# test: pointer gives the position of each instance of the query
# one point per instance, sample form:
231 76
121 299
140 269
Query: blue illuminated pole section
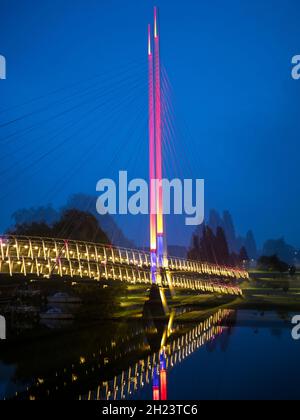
163 376
155 384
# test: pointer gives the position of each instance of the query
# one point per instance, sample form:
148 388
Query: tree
194 252
208 247
280 248
234 259
73 224
250 245
215 220
31 229
87 203
198 250
221 247
79 225
272 263
243 256
229 230
208 242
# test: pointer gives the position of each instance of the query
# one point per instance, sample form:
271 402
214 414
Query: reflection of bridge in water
81 380
44 257
153 369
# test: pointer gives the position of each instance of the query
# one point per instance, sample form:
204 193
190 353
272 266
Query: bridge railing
46 256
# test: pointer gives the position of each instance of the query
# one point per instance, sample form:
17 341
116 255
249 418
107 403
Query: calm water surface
230 355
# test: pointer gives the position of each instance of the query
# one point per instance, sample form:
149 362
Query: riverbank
109 332
117 301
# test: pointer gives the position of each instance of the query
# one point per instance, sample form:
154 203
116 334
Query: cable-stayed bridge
45 257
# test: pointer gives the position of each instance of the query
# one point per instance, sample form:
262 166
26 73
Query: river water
228 355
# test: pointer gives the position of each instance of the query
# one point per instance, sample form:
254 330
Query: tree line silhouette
215 242
73 224
208 246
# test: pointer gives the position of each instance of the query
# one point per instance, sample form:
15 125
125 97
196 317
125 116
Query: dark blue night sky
235 106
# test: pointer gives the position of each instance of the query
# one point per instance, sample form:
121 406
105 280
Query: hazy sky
76 100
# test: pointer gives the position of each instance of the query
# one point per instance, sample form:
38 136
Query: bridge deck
49 256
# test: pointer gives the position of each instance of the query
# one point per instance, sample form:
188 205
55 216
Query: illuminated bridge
45 257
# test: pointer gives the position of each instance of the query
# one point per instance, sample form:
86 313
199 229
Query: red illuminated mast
157 235
152 168
158 143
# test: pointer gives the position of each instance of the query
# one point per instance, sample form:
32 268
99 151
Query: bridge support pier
156 306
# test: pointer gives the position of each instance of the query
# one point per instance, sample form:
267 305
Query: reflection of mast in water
208 329
163 376
153 369
169 349
159 382
155 384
